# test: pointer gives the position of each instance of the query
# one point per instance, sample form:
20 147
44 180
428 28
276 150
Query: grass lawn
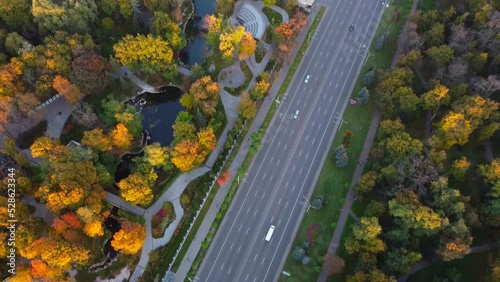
473 267
334 182
274 17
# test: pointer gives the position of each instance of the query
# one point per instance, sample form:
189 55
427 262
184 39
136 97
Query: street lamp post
305 203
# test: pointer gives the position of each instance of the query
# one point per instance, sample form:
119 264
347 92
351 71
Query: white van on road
269 234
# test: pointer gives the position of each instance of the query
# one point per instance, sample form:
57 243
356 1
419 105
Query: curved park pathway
350 197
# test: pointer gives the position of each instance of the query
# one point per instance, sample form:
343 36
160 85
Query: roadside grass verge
334 182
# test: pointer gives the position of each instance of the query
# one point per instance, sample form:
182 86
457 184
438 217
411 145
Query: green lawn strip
293 68
333 181
274 17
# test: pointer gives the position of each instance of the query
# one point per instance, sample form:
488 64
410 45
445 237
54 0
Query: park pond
159 111
196 49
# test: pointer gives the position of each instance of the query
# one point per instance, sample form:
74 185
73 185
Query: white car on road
296 114
307 78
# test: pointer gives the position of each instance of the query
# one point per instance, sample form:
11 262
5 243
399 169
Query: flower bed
162 219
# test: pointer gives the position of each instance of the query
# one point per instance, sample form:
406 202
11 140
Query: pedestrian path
205 226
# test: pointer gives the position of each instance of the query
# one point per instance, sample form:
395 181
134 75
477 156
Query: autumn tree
455 242
248 45
57 254
364 237
247 108
130 238
132 121
228 42
433 99
157 155
205 95
333 264
16 13
453 129
413 214
213 25
163 26
97 140
75 17
135 189
225 7
259 90
68 90
89 72
187 155
366 183
459 168
121 137
183 130
400 260
440 55
150 54
207 139
42 147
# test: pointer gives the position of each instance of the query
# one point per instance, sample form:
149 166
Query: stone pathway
231 76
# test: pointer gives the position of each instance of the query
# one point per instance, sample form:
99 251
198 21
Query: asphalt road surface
292 152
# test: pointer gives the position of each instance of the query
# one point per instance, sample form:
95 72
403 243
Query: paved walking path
346 209
423 264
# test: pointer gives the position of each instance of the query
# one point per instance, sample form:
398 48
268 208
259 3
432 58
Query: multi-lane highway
286 166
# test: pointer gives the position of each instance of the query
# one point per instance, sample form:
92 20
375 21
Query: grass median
334 182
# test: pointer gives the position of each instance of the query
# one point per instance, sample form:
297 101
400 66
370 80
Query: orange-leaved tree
187 155
130 238
205 95
122 138
67 89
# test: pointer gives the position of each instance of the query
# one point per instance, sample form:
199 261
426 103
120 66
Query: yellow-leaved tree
248 45
207 139
135 189
151 54
122 138
130 239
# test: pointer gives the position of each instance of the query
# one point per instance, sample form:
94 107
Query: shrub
347 138
298 253
223 178
341 158
312 233
363 96
306 260
369 78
